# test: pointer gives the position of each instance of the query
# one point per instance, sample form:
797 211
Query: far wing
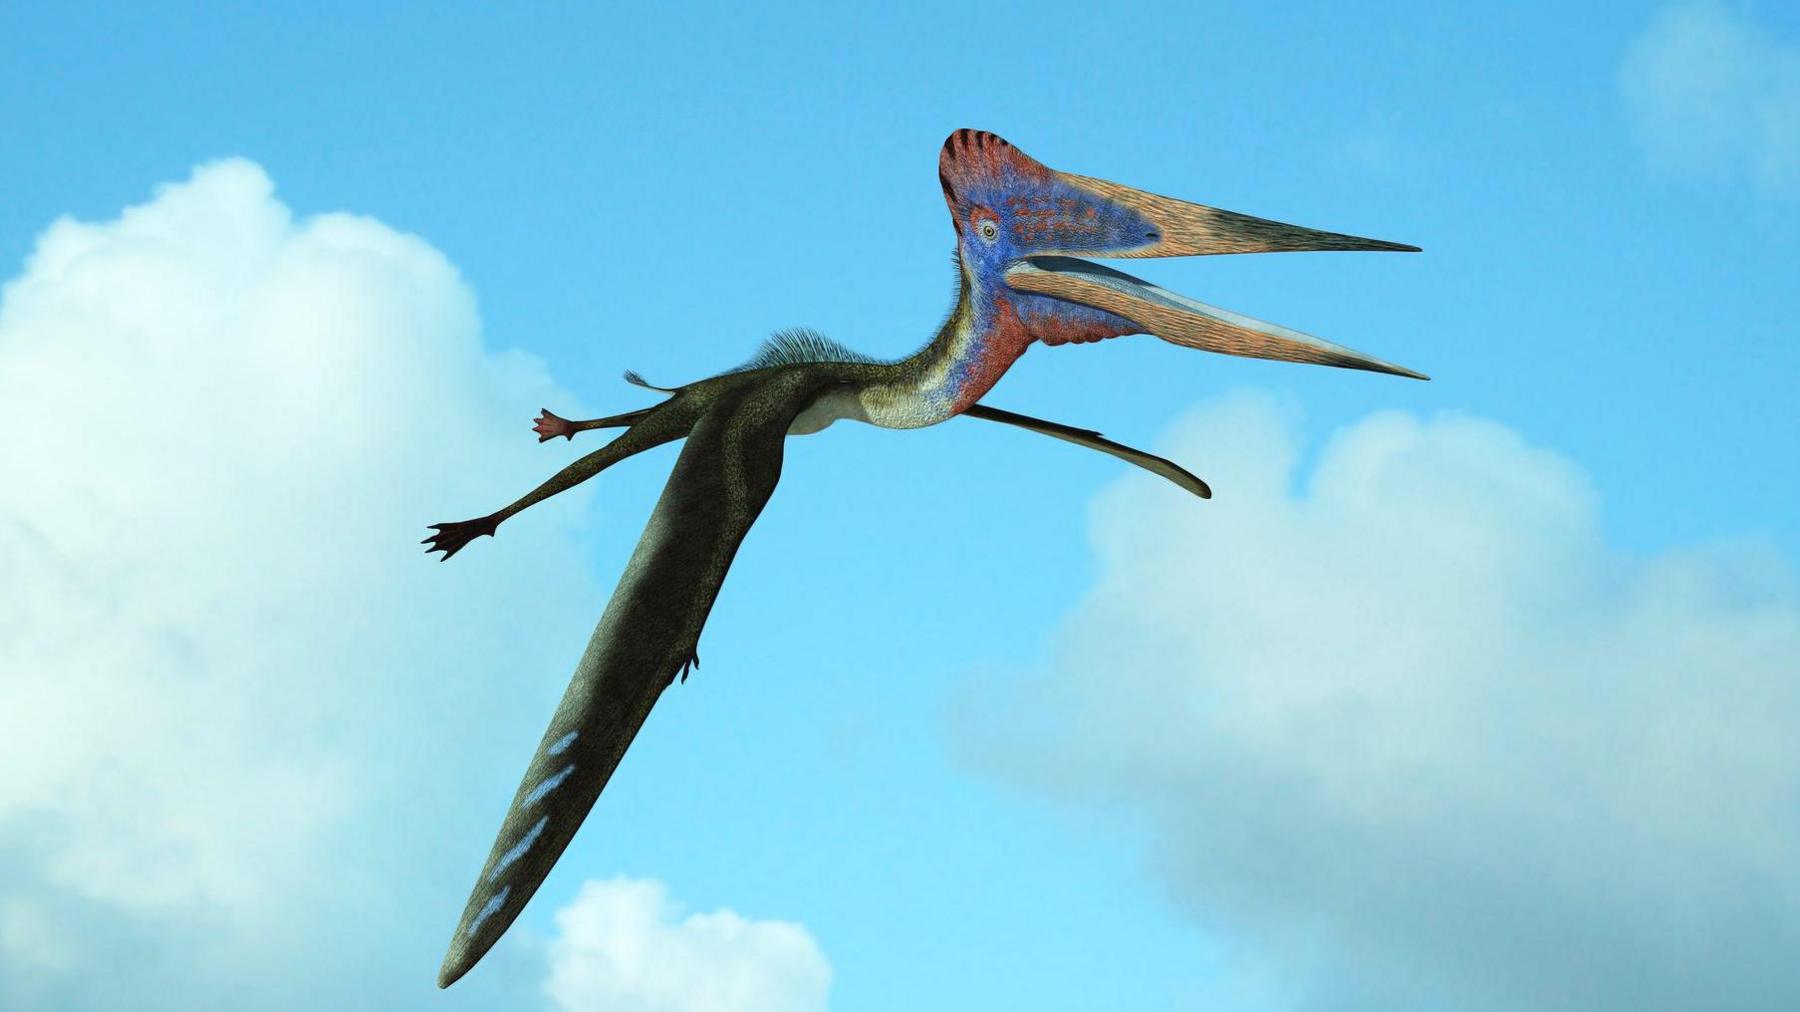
1093 440
646 636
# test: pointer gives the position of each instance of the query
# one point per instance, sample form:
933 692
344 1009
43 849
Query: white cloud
624 945
1411 736
1712 94
234 692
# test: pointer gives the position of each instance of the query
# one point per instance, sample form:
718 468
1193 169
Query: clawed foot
450 538
549 426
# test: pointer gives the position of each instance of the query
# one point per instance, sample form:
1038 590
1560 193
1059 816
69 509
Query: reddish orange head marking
975 167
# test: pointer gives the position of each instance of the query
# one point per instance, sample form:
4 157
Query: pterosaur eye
990 231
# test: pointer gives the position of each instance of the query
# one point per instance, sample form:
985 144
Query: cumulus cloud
1712 94
235 697
625 945
1410 735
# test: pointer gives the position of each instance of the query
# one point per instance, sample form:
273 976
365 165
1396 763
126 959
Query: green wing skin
646 636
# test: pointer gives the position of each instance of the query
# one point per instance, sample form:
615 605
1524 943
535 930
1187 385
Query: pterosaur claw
549 426
450 538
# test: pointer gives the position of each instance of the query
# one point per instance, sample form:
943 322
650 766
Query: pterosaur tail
635 380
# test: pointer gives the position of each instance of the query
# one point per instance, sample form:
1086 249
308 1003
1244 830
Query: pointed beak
1177 228
1188 322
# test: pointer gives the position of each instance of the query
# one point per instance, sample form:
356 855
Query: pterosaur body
1019 226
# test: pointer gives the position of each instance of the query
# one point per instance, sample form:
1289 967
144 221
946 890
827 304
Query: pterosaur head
1020 225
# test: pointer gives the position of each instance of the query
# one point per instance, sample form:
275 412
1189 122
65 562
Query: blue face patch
1036 210
1064 218
1054 321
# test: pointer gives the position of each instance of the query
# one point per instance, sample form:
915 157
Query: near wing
646 636
1094 440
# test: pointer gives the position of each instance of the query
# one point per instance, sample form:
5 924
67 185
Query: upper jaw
1051 217
1180 320
1179 228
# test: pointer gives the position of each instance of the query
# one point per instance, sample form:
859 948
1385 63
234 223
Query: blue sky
912 737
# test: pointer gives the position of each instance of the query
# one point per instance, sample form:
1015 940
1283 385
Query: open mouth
1180 320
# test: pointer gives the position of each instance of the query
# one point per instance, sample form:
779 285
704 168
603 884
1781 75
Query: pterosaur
1019 226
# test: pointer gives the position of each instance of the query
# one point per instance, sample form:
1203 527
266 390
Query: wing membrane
1093 440
646 636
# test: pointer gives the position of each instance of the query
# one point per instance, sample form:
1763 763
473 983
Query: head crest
974 165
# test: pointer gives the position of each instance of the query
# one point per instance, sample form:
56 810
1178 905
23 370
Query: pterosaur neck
978 342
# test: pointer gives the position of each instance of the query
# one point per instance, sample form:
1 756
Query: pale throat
980 341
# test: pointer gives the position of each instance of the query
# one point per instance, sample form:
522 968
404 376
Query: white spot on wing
546 785
488 910
518 849
557 746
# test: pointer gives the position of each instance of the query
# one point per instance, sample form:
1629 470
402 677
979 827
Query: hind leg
549 426
652 427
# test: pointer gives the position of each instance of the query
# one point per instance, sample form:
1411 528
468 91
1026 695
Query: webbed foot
450 538
549 426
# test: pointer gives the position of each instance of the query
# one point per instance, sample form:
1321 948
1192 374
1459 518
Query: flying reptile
1019 227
